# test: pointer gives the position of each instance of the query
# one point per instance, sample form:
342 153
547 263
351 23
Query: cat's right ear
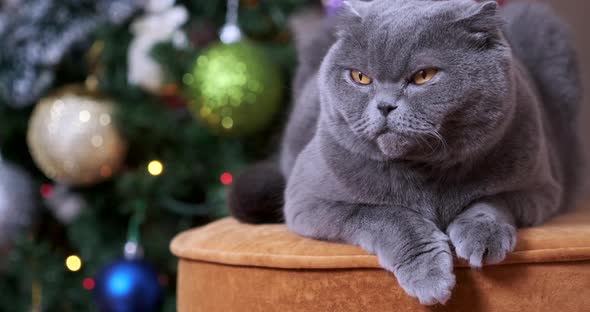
350 14
482 17
483 23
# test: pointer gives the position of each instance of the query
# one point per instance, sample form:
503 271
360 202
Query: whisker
443 144
432 149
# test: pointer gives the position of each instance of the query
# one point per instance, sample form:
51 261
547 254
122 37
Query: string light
74 263
226 178
155 168
88 283
106 171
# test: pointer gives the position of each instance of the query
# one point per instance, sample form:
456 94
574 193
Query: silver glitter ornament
17 202
65 204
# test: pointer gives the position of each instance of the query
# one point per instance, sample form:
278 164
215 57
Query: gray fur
484 147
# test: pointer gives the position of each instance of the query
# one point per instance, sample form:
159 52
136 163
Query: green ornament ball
234 88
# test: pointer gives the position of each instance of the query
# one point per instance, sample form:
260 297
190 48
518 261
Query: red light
46 190
226 178
88 283
164 280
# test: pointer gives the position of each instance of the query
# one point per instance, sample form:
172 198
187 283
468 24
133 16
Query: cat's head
419 80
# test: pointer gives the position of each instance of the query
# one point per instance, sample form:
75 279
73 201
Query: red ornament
46 190
226 178
171 96
88 283
202 33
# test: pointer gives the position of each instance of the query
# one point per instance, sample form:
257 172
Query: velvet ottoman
228 266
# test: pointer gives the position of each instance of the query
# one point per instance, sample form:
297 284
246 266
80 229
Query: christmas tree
122 123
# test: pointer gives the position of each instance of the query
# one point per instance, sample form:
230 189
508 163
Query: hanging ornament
129 284
65 204
17 202
234 87
160 23
72 137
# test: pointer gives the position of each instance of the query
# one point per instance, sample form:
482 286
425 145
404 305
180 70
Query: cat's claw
482 239
428 276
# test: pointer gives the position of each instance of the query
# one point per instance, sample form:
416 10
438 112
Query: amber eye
423 76
360 78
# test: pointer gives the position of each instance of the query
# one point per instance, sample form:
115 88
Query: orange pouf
228 266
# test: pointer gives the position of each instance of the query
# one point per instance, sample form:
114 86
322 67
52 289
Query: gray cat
421 124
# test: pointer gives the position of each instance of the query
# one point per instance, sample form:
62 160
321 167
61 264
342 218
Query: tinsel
37 34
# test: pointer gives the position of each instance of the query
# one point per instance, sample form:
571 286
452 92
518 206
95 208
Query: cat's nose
386 108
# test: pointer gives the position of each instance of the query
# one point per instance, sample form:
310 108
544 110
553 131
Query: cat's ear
350 14
482 20
355 8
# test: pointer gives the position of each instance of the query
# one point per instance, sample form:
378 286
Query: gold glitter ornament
72 137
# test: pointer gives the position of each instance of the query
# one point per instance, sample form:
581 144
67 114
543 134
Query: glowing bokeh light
73 263
155 168
226 178
88 283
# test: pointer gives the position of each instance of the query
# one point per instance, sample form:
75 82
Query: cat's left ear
355 8
482 20
350 14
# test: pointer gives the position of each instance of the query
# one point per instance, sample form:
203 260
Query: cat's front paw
426 271
481 238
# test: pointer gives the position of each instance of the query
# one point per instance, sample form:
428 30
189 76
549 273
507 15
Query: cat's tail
256 195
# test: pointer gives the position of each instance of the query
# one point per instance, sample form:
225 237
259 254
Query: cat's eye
423 76
360 78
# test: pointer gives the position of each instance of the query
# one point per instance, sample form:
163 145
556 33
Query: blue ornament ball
128 286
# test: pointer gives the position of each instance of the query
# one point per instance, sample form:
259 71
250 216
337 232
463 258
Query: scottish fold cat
419 125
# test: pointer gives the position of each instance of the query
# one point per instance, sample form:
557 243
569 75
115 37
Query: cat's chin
395 145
